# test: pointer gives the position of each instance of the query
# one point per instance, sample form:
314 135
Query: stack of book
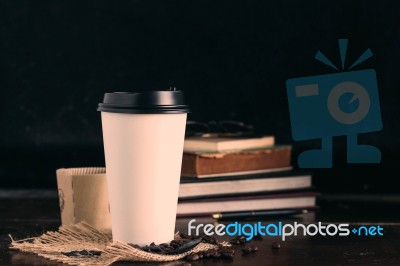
240 174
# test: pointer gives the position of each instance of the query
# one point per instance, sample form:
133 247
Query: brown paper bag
83 197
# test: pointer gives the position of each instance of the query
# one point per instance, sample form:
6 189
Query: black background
232 59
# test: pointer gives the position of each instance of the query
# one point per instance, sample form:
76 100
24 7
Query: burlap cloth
52 245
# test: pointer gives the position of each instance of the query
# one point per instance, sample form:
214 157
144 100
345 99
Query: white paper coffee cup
143 137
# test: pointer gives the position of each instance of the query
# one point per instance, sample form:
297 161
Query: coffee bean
238 240
71 253
152 244
234 241
215 254
192 257
184 236
209 239
163 245
275 245
134 245
227 255
206 254
226 250
95 252
175 244
84 252
145 248
186 264
247 250
250 249
169 248
242 239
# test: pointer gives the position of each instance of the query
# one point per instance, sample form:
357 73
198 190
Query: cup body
143 154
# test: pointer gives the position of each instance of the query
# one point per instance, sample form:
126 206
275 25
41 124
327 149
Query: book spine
203 164
189 164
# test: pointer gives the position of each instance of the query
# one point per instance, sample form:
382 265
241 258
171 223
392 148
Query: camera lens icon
359 93
320 108
339 104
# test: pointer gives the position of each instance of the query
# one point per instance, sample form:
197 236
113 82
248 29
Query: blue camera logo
344 103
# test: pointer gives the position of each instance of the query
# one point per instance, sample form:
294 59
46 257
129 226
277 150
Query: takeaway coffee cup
143 137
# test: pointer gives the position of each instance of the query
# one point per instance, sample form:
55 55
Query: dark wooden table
23 216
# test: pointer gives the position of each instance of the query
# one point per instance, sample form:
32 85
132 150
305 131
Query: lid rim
144 102
123 106
144 111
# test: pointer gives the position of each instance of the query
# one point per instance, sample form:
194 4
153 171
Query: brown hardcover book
245 161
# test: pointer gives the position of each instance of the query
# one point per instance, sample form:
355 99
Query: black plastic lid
149 102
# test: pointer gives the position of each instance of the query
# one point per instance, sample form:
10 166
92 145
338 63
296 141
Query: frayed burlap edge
52 245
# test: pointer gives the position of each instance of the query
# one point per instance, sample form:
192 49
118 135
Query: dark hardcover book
209 206
243 184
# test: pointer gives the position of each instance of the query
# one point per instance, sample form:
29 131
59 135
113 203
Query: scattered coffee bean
83 252
247 250
242 239
215 254
226 250
227 253
169 248
238 240
234 241
134 246
71 253
185 243
209 239
175 244
254 248
275 245
250 249
206 254
186 264
145 248
192 257
184 236
163 245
